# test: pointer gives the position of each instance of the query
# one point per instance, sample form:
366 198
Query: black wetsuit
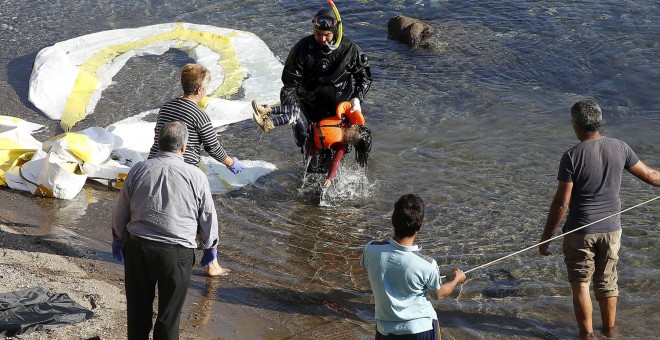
317 81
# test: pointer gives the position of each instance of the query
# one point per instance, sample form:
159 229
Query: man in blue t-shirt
589 183
400 277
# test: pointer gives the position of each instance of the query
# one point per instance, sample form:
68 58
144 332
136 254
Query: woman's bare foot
214 269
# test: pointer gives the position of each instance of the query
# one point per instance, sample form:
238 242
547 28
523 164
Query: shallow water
476 127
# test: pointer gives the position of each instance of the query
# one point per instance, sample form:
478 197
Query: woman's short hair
408 215
587 115
173 135
194 76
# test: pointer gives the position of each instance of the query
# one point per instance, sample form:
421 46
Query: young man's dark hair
408 215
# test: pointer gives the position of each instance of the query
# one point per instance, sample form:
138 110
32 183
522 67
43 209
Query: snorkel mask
326 20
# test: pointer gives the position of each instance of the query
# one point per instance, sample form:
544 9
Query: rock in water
410 31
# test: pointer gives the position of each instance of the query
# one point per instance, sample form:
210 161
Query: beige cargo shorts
594 255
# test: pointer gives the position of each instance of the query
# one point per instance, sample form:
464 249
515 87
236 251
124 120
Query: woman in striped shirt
194 80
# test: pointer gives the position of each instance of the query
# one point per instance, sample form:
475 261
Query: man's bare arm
646 173
558 210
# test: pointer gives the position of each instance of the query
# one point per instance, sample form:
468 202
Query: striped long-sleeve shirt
200 130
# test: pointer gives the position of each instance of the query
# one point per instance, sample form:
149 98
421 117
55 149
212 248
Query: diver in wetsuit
321 71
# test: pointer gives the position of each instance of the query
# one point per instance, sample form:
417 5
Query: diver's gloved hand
236 167
118 250
355 105
208 257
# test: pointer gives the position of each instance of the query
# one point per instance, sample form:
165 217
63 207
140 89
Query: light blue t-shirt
400 277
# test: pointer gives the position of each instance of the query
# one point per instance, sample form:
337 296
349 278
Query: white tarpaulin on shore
16 143
67 82
69 77
62 165
57 168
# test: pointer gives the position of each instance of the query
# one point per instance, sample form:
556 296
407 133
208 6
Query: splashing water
351 182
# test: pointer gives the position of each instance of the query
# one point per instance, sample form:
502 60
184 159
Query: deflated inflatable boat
69 77
67 82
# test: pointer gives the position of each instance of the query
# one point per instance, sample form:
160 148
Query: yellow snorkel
339 28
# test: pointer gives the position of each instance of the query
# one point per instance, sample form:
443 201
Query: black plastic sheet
34 309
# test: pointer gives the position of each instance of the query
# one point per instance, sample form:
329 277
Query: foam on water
350 183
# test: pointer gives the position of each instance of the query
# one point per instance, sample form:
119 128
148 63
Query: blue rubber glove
208 257
236 167
118 250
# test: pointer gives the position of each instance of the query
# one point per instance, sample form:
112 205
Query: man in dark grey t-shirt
595 168
589 183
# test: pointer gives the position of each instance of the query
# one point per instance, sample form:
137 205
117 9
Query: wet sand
47 246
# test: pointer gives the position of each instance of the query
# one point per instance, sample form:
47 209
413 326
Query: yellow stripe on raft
87 81
11 119
222 181
12 158
79 145
10 152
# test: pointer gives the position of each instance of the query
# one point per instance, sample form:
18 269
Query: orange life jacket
329 130
355 117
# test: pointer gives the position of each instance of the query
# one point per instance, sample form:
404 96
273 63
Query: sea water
476 126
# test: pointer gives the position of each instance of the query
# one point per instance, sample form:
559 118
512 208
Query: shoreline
31 261
64 247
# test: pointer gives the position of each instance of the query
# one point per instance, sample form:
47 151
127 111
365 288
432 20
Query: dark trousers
149 264
433 334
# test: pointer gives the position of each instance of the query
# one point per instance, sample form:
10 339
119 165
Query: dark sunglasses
324 23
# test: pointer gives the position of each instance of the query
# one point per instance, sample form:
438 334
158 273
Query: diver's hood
325 20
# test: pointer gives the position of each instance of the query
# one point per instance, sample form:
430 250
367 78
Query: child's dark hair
363 146
408 215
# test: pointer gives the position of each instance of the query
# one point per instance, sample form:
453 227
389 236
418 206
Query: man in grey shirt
589 183
162 207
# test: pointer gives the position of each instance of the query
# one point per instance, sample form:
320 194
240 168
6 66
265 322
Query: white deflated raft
67 82
69 77
16 144
222 180
60 166
9 123
63 164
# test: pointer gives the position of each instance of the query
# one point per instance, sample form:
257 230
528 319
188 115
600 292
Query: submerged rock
504 285
410 31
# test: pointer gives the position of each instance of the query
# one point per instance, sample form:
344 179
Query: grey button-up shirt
166 200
